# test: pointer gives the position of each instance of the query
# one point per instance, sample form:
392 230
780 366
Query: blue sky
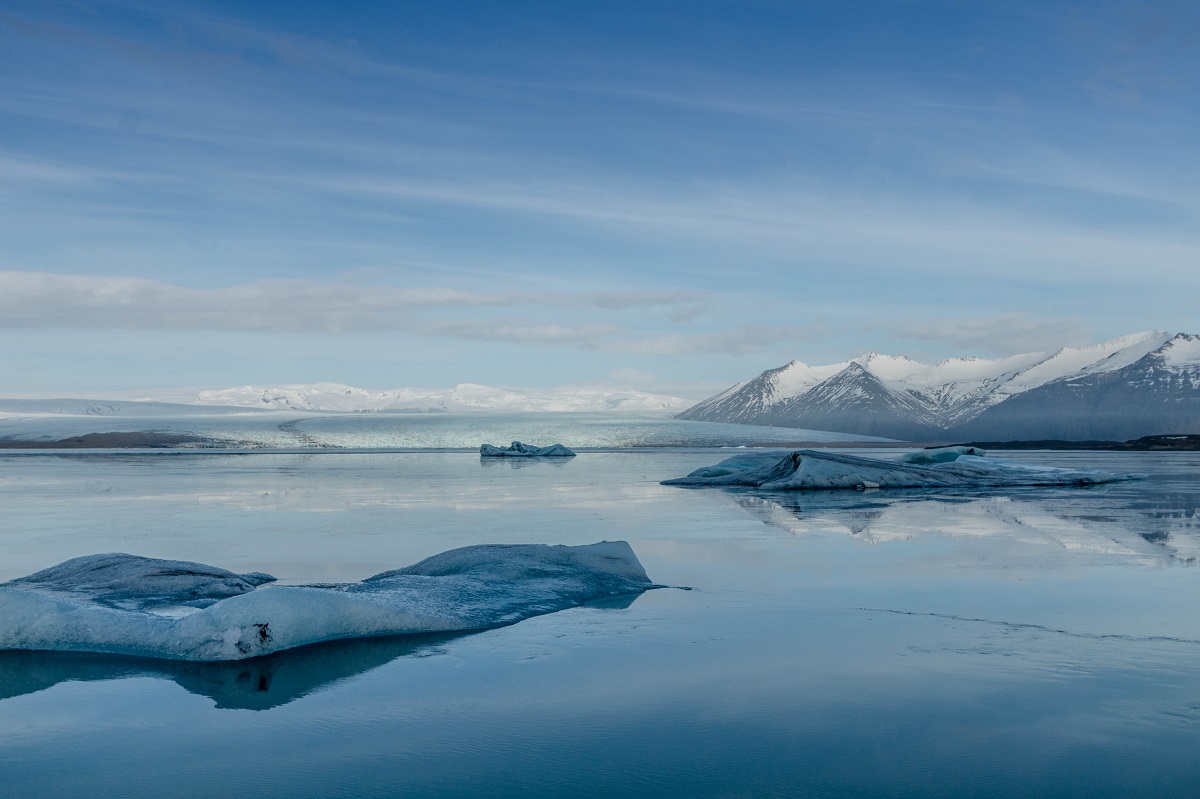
666 195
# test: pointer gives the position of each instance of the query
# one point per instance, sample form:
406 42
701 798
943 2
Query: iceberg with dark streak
947 467
519 450
131 605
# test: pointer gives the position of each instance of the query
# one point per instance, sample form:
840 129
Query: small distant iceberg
519 450
177 610
946 467
941 454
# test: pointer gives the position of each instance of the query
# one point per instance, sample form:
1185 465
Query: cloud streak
47 300
433 159
39 300
744 340
742 175
1004 334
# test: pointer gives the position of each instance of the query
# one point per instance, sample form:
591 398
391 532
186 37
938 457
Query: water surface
895 644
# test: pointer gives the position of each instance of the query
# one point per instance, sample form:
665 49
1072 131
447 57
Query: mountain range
1136 385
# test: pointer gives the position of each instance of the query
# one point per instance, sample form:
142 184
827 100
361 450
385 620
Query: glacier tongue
465 397
67 608
951 467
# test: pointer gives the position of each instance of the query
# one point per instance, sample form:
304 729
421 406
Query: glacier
123 604
462 398
946 467
519 450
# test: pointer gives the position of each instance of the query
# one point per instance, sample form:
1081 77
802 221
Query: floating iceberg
941 454
948 467
519 450
130 605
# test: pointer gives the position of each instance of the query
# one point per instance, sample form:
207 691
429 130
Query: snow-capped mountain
1142 384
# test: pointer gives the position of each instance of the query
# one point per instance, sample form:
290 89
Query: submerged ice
126 604
519 450
938 468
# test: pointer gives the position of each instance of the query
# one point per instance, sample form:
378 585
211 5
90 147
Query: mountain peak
914 396
1181 352
876 357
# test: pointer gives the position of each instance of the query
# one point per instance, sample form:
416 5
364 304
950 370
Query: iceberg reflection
1147 522
257 684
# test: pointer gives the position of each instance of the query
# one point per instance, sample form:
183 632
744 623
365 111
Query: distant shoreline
147 440
136 440
1178 443
1164 443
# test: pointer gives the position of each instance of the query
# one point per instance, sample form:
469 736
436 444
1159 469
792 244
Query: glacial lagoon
882 643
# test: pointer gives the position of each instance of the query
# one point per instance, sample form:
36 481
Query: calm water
878 644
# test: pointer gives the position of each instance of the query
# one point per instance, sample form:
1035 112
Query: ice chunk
66 608
941 454
519 450
809 469
125 581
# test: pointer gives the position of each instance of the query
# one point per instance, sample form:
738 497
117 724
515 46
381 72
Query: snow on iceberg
519 450
948 467
130 605
941 454
125 581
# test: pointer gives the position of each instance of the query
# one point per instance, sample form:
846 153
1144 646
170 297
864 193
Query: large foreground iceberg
948 467
519 450
130 605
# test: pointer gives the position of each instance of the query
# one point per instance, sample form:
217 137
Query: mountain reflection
1140 520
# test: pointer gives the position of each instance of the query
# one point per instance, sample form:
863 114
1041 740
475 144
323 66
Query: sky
668 196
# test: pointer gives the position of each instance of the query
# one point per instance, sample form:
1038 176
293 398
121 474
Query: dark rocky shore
136 440
1143 444
1163 443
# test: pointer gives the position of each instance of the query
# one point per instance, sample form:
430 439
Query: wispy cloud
743 340
1004 334
218 141
16 167
44 300
740 178
39 299
586 336
927 234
